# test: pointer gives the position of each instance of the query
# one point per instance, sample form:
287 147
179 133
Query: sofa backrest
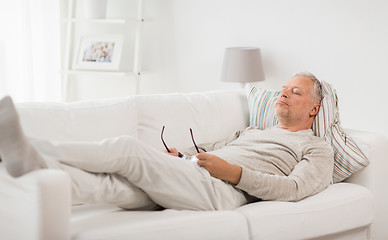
213 116
79 121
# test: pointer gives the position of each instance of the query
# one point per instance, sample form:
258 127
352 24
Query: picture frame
99 52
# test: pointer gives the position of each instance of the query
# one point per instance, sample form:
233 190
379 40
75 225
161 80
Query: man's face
294 103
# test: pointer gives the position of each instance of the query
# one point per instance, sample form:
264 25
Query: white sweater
278 164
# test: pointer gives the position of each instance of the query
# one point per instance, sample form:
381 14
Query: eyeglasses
179 154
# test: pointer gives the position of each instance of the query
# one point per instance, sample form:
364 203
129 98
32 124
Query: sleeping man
285 163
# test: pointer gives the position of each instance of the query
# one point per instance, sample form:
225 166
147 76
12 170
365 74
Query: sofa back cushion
213 116
79 121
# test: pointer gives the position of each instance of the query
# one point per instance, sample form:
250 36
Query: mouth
280 102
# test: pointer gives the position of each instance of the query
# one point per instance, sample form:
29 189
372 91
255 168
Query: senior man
285 163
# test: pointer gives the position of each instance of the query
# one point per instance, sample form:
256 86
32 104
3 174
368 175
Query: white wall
343 42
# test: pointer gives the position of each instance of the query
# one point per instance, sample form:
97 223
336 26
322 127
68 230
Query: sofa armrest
35 206
374 176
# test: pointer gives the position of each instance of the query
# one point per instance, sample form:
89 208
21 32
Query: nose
284 93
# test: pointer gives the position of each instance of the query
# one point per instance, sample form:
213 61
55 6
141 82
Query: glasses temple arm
165 145
192 138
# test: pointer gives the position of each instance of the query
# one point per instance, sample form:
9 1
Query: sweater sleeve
310 176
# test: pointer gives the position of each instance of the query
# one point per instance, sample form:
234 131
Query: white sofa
37 205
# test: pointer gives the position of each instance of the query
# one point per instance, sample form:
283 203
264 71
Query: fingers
173 152
205 160
202 155
208 162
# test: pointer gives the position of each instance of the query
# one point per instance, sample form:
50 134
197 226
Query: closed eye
296 91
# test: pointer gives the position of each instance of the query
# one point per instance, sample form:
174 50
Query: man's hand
219 168
173 152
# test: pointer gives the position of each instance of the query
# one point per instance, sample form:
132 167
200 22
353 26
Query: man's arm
219 168
310 176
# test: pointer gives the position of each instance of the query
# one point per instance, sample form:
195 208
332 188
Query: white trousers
125 172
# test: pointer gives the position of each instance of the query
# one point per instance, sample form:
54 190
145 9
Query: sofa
38 204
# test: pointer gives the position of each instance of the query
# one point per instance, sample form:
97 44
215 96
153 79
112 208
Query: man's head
299 102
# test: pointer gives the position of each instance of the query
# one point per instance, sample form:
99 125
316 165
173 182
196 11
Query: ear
315 109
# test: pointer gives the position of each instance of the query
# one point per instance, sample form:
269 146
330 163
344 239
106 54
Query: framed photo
99 52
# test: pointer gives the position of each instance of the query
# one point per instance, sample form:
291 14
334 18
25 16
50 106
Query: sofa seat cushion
109 222
338 208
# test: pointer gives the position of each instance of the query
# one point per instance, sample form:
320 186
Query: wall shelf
108 21
102 73
74 25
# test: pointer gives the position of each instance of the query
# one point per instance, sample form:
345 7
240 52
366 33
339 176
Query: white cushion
82 121
104 222
213 116
340 207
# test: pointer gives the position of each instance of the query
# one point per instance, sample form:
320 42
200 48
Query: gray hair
317 89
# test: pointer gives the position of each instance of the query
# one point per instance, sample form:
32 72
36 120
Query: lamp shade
242 64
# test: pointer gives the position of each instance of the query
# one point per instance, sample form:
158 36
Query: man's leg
96 187
16 152
20 157
169 181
